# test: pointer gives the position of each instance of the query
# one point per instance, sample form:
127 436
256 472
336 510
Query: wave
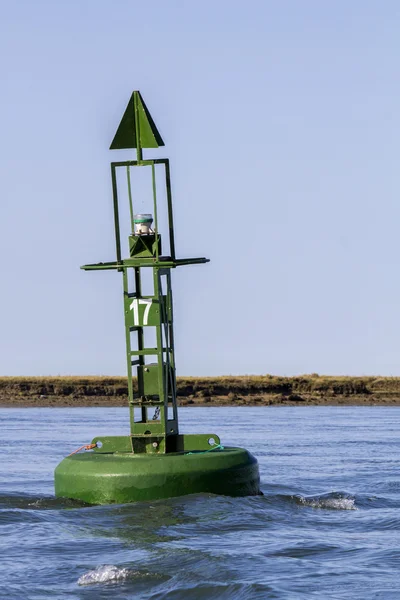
218 591
112 574
105 574
26 501
331 501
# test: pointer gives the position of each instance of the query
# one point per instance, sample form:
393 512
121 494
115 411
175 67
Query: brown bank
266 390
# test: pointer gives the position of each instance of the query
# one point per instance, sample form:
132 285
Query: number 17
134 306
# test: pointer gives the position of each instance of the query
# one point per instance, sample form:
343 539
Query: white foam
332 503
104 574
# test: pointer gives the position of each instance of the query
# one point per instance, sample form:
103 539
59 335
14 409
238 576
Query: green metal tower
156 380
190 463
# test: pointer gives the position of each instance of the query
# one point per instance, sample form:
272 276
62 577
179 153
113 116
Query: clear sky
281 119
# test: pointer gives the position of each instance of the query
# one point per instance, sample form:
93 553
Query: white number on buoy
134 306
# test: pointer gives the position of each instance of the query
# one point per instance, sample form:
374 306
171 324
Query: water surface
327 525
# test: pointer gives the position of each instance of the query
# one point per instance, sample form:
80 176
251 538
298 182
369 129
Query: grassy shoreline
254 390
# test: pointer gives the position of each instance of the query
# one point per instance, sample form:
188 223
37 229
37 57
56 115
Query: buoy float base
100 478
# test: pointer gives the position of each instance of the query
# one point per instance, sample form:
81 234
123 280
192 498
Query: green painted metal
118 478
192 442
154 460
156 376
136 125
144 246
135 262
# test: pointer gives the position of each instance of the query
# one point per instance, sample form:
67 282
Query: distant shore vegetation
243 390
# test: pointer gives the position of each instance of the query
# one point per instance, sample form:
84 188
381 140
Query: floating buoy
154 461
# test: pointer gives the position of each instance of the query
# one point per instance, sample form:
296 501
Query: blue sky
280 118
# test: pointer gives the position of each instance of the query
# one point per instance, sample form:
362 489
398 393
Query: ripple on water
105 574
331 501
210 591
109 574
26 501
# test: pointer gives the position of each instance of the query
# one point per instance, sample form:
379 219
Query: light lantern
142 224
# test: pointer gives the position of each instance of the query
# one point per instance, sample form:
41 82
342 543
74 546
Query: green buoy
155 460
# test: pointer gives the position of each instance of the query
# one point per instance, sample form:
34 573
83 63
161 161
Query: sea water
327 526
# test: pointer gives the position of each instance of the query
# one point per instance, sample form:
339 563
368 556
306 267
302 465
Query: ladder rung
144 352
149 351
147 404
135 362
